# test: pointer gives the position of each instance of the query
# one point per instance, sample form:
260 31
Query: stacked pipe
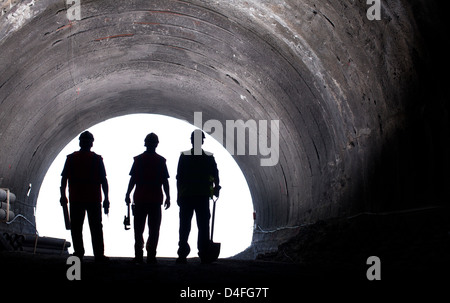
36 244
14 240
45 245
6 199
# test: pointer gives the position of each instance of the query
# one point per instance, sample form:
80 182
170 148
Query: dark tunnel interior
362 105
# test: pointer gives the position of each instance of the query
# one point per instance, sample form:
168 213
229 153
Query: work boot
139 257
151 257
80 256
101 259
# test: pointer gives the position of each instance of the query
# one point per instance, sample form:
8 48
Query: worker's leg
203 215
154 223
77 215
94 211
186 213
140 215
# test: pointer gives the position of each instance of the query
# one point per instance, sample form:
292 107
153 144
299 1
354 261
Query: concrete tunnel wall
363 116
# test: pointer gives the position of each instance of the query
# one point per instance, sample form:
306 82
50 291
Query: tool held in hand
66 215
214 248
63 201
126 220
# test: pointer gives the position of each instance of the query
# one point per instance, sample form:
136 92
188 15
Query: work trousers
78 212
142 211
199 204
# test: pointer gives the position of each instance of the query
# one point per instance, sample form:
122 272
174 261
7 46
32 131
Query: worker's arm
64 178
216 181
167 192
104 184
63 200
105 189
180 177
131 185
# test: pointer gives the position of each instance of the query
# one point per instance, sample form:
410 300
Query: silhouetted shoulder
190 152
146 155
186 153
208 153
138 156
84 154
161 158
97 155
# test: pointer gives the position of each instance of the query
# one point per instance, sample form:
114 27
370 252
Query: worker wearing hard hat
85 172
148 174
197 181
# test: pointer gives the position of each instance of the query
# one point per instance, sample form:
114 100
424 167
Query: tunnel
362 104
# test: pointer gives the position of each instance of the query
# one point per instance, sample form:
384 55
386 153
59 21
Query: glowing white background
118 140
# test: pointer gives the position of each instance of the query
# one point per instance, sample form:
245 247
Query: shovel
126 220
214 248
66 216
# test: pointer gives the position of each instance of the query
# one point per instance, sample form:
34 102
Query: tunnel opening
172 58
118 140
362 107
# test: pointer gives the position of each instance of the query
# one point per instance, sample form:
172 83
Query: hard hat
197 131
151 139
86 136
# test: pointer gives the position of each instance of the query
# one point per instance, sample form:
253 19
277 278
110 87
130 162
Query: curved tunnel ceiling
334 80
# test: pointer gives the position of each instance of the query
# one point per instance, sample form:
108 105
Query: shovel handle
213 218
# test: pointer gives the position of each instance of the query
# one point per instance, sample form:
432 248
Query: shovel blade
213 251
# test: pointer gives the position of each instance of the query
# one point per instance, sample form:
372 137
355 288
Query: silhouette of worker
148 174
197 181
86 174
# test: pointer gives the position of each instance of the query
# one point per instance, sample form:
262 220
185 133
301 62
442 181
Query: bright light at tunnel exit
118 140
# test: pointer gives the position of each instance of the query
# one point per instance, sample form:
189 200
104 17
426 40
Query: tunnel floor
27 266
413 246
281 278
225 272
